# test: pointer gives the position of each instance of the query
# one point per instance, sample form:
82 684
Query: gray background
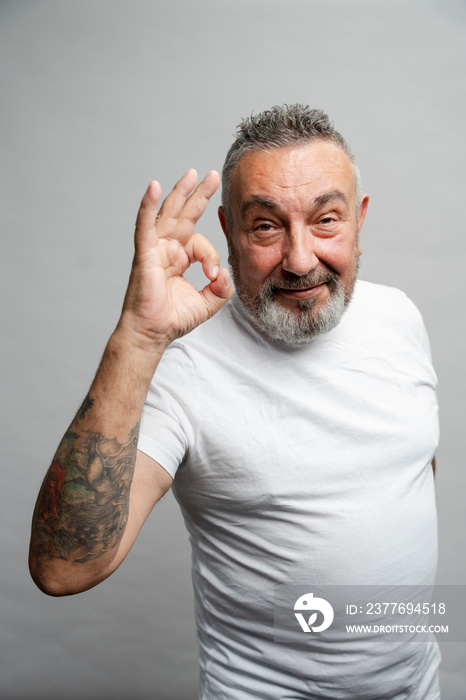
97 99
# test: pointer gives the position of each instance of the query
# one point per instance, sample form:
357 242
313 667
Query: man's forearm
83 505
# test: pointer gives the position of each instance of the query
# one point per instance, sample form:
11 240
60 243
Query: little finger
144 235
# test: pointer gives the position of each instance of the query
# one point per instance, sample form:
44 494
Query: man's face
294 238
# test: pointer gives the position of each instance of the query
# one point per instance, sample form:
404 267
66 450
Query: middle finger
181 211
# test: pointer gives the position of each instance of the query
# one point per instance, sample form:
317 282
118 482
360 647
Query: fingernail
215 272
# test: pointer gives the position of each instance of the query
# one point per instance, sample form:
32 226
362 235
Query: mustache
290 281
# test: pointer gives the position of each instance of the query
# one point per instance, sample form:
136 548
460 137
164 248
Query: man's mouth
301 292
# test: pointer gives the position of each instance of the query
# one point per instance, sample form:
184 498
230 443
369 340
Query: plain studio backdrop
100 97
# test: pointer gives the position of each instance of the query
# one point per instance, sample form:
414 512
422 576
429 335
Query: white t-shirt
301 464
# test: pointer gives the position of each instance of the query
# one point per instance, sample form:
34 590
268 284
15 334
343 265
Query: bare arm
99 490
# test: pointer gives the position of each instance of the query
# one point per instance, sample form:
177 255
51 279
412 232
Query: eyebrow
257 200
329 196
321 200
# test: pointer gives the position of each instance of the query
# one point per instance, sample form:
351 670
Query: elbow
45 580
50 587
57 579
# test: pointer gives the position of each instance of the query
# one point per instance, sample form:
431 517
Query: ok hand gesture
160 304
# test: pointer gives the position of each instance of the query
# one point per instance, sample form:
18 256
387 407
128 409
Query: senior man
297 426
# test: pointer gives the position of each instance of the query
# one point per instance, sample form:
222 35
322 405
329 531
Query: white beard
295 327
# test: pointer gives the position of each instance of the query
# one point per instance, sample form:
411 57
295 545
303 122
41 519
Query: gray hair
278 127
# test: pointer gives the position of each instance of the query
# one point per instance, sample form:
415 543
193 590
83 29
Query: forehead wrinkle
291 187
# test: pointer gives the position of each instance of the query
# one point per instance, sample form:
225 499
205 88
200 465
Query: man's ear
363 210
223 221
362 214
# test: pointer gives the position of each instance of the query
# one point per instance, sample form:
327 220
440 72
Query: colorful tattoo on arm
83 505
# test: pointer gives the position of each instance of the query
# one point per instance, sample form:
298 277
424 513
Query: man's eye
263 227
326 220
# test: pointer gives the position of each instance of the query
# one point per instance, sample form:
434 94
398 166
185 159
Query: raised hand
160 304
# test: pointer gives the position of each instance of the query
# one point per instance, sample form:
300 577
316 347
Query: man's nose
299 254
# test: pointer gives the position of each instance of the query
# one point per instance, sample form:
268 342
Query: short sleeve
419 327
170 416
425 344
